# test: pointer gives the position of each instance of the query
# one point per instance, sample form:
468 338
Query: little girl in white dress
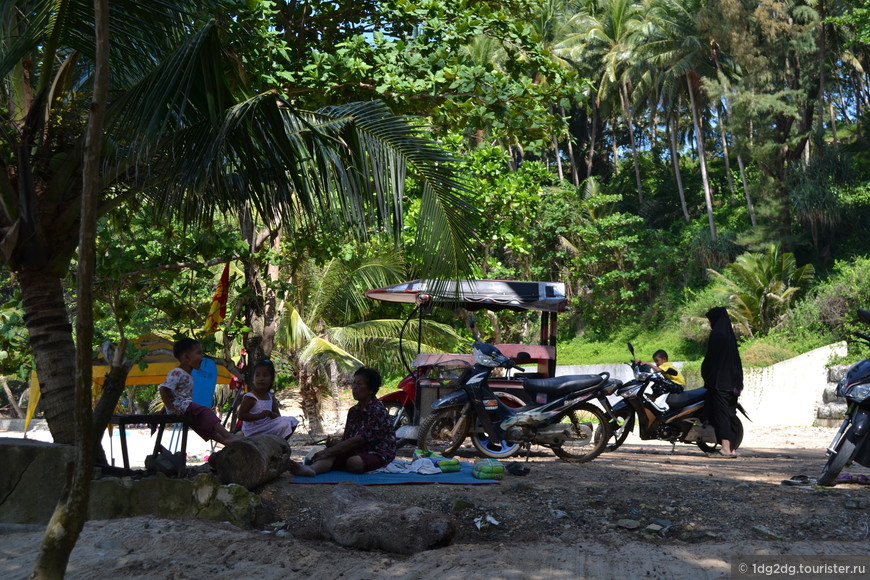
259 409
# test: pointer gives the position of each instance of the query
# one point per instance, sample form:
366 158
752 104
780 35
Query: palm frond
319 353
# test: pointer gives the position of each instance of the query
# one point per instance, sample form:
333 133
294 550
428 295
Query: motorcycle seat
686 398
562 385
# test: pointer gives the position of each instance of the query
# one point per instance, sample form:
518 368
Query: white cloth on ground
422 466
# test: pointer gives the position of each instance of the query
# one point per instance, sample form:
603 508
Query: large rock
359 521
252 461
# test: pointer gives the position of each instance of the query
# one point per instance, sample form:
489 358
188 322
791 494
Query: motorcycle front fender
451 399
400 396
861 422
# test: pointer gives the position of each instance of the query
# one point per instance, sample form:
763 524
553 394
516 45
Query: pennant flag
32 401
218 310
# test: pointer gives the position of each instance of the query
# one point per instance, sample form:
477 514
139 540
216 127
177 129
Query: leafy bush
766 352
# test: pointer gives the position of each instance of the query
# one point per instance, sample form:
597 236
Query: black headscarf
722 369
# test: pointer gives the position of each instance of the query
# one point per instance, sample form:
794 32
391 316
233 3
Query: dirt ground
641 511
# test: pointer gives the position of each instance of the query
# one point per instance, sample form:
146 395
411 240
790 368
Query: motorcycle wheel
712 447
836 463
493 449
443 431
625 425
399 417
584 448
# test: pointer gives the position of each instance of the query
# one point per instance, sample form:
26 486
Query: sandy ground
641 511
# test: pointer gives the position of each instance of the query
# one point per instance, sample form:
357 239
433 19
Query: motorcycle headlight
487 355
857 393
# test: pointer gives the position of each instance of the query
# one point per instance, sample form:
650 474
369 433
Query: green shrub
763 353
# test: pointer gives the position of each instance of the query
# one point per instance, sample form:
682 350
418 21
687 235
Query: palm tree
326 332
184 134
761 287
611 33
675 47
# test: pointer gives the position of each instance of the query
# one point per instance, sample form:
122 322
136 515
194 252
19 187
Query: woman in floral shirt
369 441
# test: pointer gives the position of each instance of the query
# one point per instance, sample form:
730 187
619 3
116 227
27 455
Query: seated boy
177 394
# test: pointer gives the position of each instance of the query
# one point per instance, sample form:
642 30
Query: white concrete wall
785 394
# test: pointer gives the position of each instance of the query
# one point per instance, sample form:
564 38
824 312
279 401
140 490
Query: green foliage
760 287
827 314
16 357
155 275
766 351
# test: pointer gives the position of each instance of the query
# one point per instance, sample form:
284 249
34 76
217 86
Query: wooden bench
160 421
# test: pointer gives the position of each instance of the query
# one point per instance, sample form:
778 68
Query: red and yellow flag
218 310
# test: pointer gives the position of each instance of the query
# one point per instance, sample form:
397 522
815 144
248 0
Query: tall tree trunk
558 158
823 56
11 398
575 178
310 399
62 531
675 160
702 157
626 111
262 309
749 206
590 155
54 353
724 137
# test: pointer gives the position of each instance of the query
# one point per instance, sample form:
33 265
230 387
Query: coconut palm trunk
47 321
675 161
702 157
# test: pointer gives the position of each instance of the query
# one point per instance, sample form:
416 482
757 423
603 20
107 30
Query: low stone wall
34 474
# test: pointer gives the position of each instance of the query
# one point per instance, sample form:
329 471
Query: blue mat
461 477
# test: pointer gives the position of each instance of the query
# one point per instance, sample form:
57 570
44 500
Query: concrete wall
788 393
34 472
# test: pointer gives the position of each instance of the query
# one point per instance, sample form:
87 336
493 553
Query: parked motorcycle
851 441
678 418
560 418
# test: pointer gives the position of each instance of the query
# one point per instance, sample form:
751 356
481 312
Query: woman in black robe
722 372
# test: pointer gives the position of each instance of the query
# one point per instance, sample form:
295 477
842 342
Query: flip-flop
719 453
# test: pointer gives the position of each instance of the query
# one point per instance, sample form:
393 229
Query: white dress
280 426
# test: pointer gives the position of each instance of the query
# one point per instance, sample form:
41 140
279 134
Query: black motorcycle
662 410
850 442
560 418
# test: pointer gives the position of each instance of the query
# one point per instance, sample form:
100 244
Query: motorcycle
850 442
677 418
560 416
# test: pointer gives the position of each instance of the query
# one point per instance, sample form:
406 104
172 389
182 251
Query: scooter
560 418
663 411
851 440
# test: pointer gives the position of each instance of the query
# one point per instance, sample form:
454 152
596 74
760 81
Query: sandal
723 455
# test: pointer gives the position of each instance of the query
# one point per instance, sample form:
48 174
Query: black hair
182 346
266 364
373 378
660 353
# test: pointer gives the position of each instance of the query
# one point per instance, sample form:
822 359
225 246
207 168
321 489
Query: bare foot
303 470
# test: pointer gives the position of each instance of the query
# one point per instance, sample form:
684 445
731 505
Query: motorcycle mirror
672 372
631 349
523 357
864 315
472 326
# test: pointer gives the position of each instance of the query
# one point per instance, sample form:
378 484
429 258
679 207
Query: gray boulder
357 520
